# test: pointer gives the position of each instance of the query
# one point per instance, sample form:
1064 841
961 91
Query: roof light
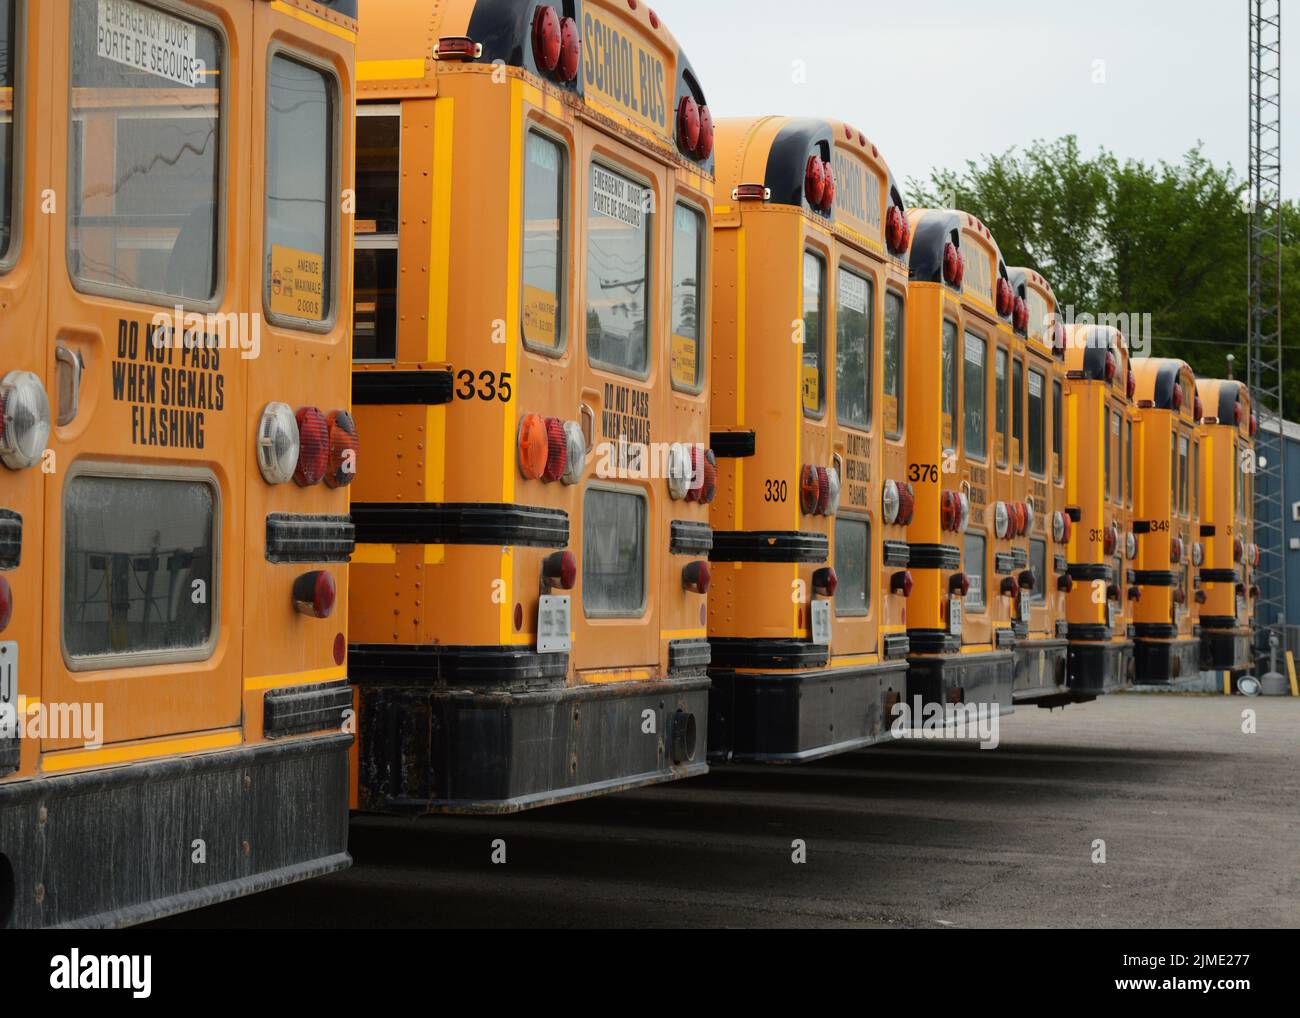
570 50
815 181
688 125
24 420
951 265
897 230
828 195
1177 397
1020 315
1111 366
705 147
1006 299
1198 410
547 39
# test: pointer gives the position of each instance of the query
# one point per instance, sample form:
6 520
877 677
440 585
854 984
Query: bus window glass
374 313
1128 460
855 300
893 371
1038 566
613 553
948 386
1116 436
545 225
1000 404
8 58
618 273
1018 412
852 558
814 337
1058 437
975 568
144 155
688 260
1037 424
1196 479
1183 475
300 185
1106 442
134 548
1173 474
974 384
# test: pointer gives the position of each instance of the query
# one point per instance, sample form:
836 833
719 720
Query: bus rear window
852 558
688 259
613 553
619 283
1037 424
948 386
1038 566
853 350
1018 412
974 386
814 334
893 369
300 179
545 227
144 153
1000 404
1058 435
136 551
8 57
975 567
379 166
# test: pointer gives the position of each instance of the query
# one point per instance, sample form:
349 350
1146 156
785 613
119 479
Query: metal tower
1264 340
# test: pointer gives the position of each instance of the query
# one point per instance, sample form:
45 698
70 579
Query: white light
25 429
575 444
833 482
1001 520
278 443
890 502
679 471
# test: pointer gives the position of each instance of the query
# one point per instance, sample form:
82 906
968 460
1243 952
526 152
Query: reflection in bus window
618 273
613 553
814 334
852 558
379 158
853 317
1128 459
144 158
1173 472
1038 566
1000 404
1196 479
1182 475
300 176
688 260
948 385
545 226
1105 440
8 58
974 385
1018 412
974 566
1037 424
1058 438
893 372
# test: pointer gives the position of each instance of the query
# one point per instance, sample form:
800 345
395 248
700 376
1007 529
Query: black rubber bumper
792 717
1096 668
1163 662
1227 650
425 750
118 846
1041 673
963 678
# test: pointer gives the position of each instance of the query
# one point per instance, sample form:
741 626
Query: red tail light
1011 587
1238 550
314 449
901 583
705 148
1254 425
688 125
314 594
697 577
457 47
809 490
959 584
825 582
1006 298
6 604
1198 409
896 230
1178 395
1065 583
1238 413
547 39
557 450
534 447
1133 388
1176 550
815 181
951 265
824 490
342 468
560 571
1111 366
1135 593
1020 315
570 50
828 195
1027 580
948 511
1111 539
906 503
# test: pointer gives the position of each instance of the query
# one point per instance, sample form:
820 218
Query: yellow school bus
1099 469
176 452
961 537
1041 645
807 615
1165 523
534 202
1225 589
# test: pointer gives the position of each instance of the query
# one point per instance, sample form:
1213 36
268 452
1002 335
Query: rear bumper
1097 668
793 717
428 750
119 846
1163 662
1041 673
983 678
1227 650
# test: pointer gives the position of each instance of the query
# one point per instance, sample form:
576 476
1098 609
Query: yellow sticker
892 423
947 432
812 395
540 312
684 361
297 283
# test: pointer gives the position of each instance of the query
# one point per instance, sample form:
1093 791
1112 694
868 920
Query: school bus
1165 521
1225 589
176 452
1099 470
535 192
963 560
1041 646
807 613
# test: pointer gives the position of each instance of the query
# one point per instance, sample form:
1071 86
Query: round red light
1020 315
810 493
547 41
1238 550
6 603
828 195
557 450
901 583
697 577
342 468
824 490
314 448
959 584
815 182
570 50
705 147
906 504
1198 409
1005 298
340 648
534 447
560 570
688 125
1111 366
895 230
951 265
948 511
826 582
1237 413
1178 395
314 594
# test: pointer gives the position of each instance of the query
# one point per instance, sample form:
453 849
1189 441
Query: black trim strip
1154 578
1004 639
300 709
314 539
1219 622
1004 563
1062 630
935 556
11 539
1141 526
690 538
389 664
769 546
897 645
402 388
1089 632
933 641
1155 631
1207 530
897 553
689 656
469 524
732 445
739 652
1088 571
1219 576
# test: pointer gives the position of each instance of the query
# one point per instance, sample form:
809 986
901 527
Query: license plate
554 631
955 609
1024 607
1242 611
1111 612
821 623
8 685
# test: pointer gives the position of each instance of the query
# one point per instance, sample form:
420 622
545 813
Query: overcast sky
1173 72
